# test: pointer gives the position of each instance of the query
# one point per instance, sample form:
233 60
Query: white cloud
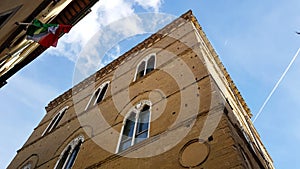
128 26
154 4
103 13
112 10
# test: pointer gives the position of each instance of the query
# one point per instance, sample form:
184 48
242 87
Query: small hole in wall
210 138
226 111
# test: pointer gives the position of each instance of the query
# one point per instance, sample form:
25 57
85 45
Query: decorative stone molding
193 153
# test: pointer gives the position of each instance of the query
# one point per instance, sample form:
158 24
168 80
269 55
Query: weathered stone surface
191 99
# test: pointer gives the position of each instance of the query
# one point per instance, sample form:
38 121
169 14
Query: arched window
54 122
27 166
98 95
145 66
68 156
135 126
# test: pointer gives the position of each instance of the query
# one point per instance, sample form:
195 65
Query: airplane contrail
276 85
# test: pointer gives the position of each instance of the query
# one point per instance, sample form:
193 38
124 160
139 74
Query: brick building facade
166 103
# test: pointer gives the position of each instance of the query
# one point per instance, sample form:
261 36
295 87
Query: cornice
232 85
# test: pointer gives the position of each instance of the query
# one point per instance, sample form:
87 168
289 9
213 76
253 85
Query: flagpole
276 85
22 23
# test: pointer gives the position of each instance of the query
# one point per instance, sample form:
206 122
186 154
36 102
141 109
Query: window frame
10 13
27 166
55 120
137 109
75 144
145 60
95 98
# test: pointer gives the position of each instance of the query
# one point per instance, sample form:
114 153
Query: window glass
27 166
142 136
143 125
129 125
94 97
128 132
49 128
73 156
58 119
143 121
150 64
141 69
55 121
102 93
63 158
5 16
136 127
125 144
145 66
69 155
98 95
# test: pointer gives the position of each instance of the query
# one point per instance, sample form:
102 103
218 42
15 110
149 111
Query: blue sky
255 40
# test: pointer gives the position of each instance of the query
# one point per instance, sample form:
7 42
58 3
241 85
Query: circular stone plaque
193 153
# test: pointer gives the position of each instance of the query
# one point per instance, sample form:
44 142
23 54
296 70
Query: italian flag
46 34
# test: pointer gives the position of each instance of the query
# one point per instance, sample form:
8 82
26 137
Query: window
54 122
145 66
5 16
27 166
68 156
135 126
98 95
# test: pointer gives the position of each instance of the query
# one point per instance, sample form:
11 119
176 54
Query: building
15 51
166 103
